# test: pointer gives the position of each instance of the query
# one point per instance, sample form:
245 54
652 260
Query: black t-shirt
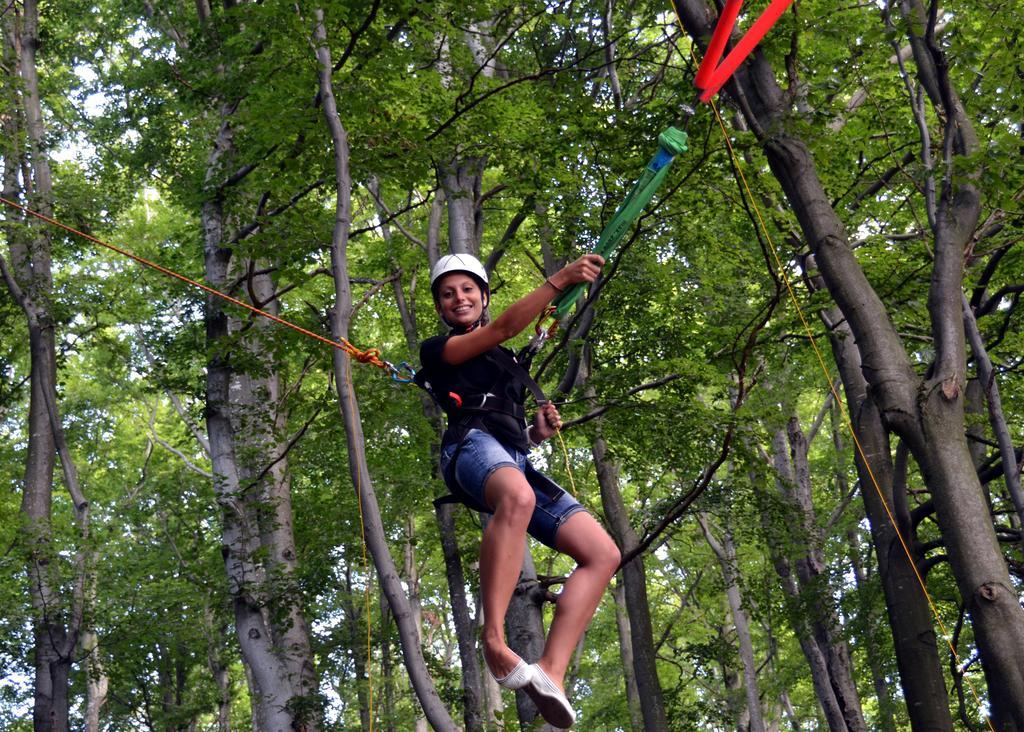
478 375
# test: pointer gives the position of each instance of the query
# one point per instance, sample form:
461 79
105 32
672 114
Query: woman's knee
599 552
508 492
591 546
606 555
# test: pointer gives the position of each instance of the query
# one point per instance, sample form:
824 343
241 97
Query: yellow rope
568 467
839 402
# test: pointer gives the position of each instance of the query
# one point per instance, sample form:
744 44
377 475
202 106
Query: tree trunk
273 705
725 553
636 716
805 581
387 667
987 380
873 649
57 615
215 636
929 413
261 424
472 688
634 580
460 180
374 534
355 624
910 619
241 545
96 681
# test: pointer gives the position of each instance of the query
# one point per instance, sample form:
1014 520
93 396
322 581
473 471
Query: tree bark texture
987 380
910 618
375 537
278 666
472 680
96 681
241 536
927 413
460 180
725 553
261 423
634 580
636 716
868 608
805 581
57 616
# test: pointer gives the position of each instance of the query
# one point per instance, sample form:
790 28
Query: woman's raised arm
521 313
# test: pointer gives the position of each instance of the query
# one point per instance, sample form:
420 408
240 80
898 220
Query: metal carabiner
397 370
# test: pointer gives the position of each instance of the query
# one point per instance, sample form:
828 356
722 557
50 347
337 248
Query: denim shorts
479 455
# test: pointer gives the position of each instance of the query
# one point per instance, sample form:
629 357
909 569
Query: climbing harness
458 405
467 410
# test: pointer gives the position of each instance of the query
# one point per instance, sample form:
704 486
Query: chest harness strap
466 412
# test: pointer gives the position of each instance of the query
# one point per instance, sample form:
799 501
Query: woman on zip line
485 465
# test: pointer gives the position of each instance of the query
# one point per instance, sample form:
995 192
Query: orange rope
370 356
821 361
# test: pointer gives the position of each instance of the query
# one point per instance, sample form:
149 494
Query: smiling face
460 301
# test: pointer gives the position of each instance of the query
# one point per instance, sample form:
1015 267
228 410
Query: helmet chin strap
459 330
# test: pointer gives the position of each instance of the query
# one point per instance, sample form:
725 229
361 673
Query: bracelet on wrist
555 287
529 437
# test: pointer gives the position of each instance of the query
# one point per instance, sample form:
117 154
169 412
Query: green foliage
697 296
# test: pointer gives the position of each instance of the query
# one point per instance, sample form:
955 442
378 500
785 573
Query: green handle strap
671 142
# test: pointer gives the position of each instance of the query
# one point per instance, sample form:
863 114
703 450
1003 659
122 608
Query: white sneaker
550 701
517 678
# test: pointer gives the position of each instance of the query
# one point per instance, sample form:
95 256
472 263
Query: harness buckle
472 403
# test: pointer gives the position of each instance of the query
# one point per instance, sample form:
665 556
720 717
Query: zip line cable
733 7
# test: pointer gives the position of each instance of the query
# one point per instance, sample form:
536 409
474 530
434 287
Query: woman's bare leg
501 560
597 558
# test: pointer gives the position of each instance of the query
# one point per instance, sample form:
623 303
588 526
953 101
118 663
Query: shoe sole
550 702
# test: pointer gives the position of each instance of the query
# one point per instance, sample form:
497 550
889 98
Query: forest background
813 338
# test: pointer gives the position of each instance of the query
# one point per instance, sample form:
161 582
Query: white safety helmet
466 263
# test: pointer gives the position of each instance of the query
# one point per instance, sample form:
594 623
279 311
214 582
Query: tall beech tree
925 410
409 636
58 592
